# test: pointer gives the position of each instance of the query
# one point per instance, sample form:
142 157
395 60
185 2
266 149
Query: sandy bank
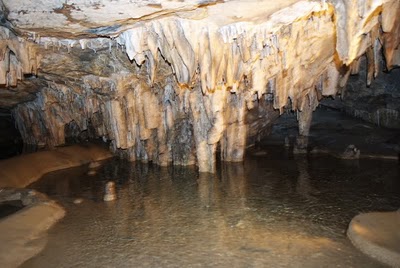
23 234
22 170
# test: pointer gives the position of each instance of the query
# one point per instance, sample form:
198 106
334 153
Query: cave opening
74 134
10 139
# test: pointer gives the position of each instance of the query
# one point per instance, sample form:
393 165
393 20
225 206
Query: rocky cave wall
181 82
378 103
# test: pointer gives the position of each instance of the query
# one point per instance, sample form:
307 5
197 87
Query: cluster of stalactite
17 57
195 88
162 123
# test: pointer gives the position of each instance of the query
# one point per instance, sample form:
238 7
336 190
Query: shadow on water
277 210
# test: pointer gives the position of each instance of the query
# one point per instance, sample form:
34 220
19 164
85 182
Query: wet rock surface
377 234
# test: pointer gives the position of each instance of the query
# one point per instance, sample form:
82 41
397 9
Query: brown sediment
22 170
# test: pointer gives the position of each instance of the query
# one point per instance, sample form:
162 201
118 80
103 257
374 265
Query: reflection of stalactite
303 185
235 181
231 184
206 189
225 195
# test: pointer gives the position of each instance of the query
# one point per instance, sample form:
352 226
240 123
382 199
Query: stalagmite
110 192
181 83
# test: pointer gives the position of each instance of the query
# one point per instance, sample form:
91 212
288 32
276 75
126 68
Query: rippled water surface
274 210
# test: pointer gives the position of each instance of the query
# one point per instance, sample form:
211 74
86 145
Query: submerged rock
92 172
351 152
78 201
301 145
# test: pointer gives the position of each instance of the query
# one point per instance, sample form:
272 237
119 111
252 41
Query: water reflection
272 211
303 185
227 185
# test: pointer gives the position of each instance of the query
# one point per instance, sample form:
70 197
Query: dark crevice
10 139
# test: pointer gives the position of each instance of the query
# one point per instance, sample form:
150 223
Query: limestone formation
173 82
110 192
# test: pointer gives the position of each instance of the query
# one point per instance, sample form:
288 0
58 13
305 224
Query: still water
274 210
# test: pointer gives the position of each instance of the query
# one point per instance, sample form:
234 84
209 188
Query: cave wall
377 103
160 122
175 88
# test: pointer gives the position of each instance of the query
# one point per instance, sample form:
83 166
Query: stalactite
17 57
193 86
391 33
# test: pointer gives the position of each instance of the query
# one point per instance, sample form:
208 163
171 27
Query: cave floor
275 210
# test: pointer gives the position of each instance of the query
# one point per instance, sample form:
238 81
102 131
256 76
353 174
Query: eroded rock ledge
23 233
199 76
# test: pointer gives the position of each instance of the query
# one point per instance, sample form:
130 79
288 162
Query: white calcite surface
91 17
175 81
